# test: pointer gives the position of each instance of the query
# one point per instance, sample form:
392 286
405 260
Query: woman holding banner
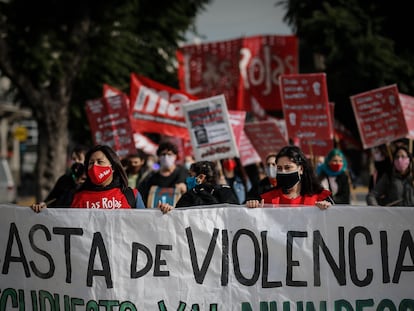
203 188
297 183
395 188
106 184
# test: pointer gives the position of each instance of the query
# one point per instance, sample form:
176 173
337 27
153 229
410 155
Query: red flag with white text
156 108
242 69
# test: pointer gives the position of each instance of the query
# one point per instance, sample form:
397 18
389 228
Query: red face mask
335 167
229 165
99 174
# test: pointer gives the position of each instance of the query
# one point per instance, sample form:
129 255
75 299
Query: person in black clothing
203 188
170 175
62 192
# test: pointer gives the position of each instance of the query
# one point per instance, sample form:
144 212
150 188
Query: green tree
360 45
59 53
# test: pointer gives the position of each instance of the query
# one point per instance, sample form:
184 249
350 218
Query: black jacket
207 195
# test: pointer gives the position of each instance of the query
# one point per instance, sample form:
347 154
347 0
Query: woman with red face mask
106 184
396 187
334 176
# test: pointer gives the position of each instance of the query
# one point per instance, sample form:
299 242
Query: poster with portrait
210 130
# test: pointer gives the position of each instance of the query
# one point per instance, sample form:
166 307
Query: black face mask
287 180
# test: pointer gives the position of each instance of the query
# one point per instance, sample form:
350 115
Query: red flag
156 108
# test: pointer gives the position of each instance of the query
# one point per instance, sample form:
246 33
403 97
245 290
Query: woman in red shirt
297 183
106 184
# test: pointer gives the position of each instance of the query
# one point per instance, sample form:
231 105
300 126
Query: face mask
187 165
271 171
335 167
167 161
401 164
99 174
191 182
287 180
229 165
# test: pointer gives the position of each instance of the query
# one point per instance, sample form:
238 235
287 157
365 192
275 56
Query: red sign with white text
266 137
307 112
407 104
244 70
379 116
156 108
110 124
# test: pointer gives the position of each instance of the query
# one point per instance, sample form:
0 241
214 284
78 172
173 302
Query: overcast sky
229 19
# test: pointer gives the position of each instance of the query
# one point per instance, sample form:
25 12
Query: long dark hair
119 172
309 181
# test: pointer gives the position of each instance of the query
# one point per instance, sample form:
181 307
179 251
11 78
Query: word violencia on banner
243 260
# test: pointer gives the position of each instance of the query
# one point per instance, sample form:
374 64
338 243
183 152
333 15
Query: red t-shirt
108 199
276 196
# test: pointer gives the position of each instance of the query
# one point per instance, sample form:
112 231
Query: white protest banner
306 111
379 116
208 258
210 130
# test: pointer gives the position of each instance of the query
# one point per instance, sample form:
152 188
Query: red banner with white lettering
110 124
379 116
244 70
156 108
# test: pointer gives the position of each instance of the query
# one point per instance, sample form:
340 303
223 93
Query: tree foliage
59 53
362 44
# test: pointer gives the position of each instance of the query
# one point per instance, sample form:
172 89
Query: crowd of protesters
98 178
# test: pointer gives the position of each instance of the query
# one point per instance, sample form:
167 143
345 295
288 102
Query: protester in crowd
334 176
381 164
202 188
170 175
236 178
62 192
297 183
188 160
106 184
395 188
136 168
266 183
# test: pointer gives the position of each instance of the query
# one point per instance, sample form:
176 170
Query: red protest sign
157 108
407 104
248 155
266 137
110 124
307 112
379 116
237 119
244 69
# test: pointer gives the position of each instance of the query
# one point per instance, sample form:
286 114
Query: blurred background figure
62 192
395 187
236 178
267 182
188 160
333 175
136 168
380 165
